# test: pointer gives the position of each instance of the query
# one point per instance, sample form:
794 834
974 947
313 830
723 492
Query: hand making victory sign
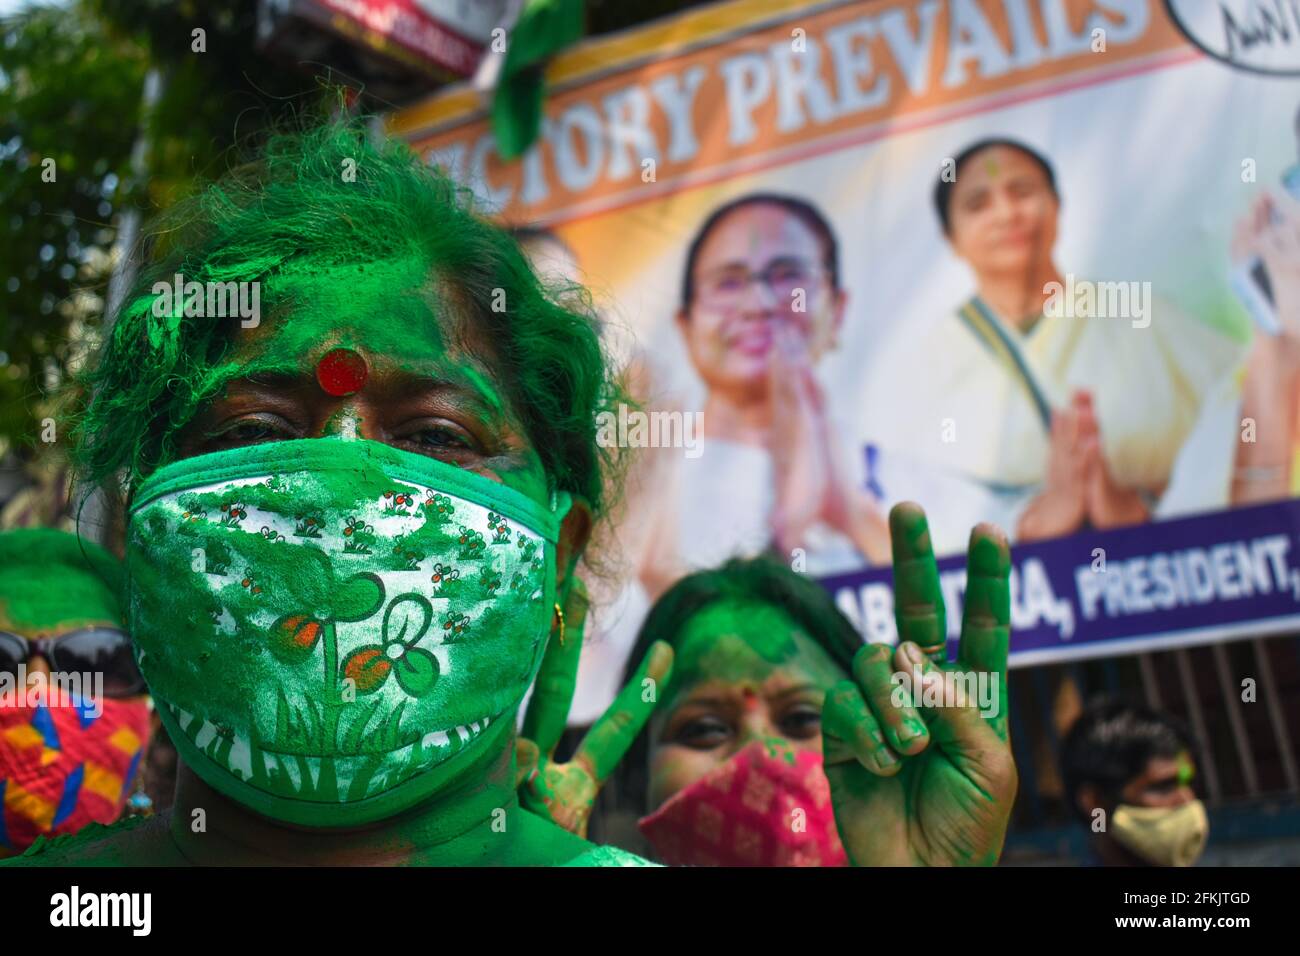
914 783
565 793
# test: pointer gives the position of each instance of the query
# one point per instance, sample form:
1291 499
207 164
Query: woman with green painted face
349 513
775 717
756 649
779 739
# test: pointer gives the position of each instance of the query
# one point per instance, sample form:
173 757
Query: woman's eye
802 723
439 437
702 733
250 431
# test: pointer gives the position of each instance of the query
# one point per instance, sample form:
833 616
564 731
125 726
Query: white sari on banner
968 404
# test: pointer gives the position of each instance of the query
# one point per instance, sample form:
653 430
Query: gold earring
559 620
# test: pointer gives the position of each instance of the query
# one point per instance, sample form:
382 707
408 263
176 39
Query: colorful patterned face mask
758 809
332 629
64 765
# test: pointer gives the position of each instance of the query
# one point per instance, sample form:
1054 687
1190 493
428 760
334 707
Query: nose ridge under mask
330 627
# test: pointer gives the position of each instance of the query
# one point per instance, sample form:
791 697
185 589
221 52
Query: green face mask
333 629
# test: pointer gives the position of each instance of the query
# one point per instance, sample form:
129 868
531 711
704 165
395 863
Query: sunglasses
96 650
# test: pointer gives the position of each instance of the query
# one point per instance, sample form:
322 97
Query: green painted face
431 388
742 672
340 600
332 628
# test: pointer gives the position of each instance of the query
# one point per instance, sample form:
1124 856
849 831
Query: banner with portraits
972 253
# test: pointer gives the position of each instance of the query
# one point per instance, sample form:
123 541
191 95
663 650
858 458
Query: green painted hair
762 580
292 210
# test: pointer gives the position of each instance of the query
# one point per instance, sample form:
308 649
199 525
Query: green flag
543 29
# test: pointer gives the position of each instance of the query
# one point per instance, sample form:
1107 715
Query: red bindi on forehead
342 372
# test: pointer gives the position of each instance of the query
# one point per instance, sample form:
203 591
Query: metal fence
1240 700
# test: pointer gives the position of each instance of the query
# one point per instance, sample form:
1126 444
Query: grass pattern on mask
420 608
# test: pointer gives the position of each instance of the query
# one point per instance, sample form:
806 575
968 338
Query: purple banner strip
1220 576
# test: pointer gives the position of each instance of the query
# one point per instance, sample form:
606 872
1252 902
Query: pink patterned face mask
763 807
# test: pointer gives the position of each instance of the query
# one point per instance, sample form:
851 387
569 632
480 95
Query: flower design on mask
499 528
295 635
527 546
489 580
406 558
443 574
270 534
307 526
439 506
416 670
471 543
358 536
454 623
249 583
232 513
216 557
397 503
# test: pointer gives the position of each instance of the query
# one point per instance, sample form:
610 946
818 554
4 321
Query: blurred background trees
72 91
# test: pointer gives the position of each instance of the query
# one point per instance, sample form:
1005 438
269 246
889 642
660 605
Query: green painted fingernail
885 757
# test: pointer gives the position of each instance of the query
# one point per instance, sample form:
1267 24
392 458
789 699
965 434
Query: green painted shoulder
132 841
608 856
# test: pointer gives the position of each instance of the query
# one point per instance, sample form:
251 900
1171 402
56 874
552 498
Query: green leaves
416 671
406 620
358 597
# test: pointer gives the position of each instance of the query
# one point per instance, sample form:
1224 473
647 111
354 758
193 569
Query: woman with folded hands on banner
1265 467
350 524
1055 416
761 303
779 739
1246 443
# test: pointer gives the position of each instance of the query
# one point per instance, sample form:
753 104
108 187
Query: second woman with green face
733 758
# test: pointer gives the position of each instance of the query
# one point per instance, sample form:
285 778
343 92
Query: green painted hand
916 750
565 793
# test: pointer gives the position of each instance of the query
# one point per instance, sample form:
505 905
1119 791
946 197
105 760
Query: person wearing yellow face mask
1128 773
